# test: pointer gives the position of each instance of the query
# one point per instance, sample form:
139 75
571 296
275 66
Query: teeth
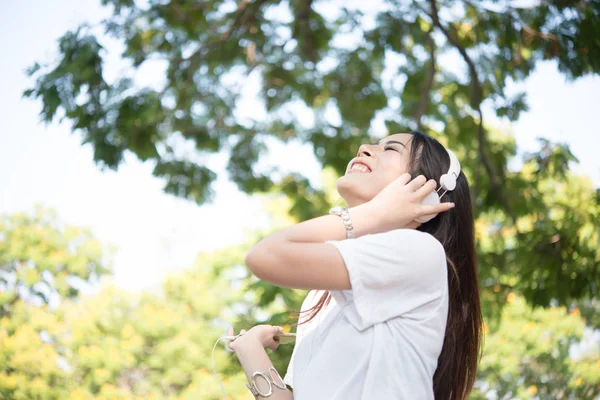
359 168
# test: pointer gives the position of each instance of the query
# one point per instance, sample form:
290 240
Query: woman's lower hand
260 334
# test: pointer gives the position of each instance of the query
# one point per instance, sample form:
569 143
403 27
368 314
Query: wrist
367 219
247 344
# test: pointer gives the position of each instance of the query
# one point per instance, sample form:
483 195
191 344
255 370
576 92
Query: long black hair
457 363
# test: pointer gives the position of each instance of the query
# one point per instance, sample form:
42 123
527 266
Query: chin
353 192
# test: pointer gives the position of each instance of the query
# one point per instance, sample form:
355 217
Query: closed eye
390 148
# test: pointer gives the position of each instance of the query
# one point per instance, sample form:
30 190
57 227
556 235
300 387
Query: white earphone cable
213 362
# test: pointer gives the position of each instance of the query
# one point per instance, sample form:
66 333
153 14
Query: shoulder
407 236
406 246
411 240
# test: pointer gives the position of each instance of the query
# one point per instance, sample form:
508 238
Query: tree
529 356
43 261
328 73
113 344
120 345
132 346
551 254
30 355
323 56
158 345
151 346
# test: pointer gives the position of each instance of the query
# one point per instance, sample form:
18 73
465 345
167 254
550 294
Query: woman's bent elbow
256 262
251 260
263 263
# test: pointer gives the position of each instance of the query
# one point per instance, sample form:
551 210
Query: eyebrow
390 142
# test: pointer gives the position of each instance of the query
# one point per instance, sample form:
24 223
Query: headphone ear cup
448 182
431 200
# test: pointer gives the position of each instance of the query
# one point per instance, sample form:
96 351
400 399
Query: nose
365 150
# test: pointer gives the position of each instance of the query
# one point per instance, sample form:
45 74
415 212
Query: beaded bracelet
343 213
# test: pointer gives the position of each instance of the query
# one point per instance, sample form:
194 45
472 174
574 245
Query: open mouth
360 167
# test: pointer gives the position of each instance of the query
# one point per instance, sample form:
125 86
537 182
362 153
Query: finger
230 343
417 183
436 209
273 345
427 188
277 330
404 178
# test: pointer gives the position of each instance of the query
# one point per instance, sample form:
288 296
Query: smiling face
375 167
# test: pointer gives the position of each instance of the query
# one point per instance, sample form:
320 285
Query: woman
398 313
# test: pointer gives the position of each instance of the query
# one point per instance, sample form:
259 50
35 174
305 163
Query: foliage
41 261
528 356
387 59
120 345
551 253
113 344
150 346
30 356
329 74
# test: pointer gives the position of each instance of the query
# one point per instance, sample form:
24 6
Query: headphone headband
448 180
454 164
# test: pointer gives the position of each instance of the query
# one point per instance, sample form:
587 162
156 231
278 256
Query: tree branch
424 101
509 12
242 15
303 17
238 17
476 99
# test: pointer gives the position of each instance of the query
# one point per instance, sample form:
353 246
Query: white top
382 338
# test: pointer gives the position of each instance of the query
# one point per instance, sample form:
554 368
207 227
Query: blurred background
145 146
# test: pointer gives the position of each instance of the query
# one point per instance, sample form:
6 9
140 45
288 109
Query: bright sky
154 232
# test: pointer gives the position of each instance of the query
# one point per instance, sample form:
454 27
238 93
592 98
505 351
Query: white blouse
382 338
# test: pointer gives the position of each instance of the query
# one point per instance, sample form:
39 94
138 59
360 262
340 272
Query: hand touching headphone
447 183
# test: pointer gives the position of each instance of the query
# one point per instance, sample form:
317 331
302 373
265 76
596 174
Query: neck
355 201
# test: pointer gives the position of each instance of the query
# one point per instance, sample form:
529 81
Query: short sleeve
396 273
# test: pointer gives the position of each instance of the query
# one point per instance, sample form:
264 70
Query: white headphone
447 183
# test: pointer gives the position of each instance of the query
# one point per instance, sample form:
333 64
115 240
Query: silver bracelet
269 378
345 215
